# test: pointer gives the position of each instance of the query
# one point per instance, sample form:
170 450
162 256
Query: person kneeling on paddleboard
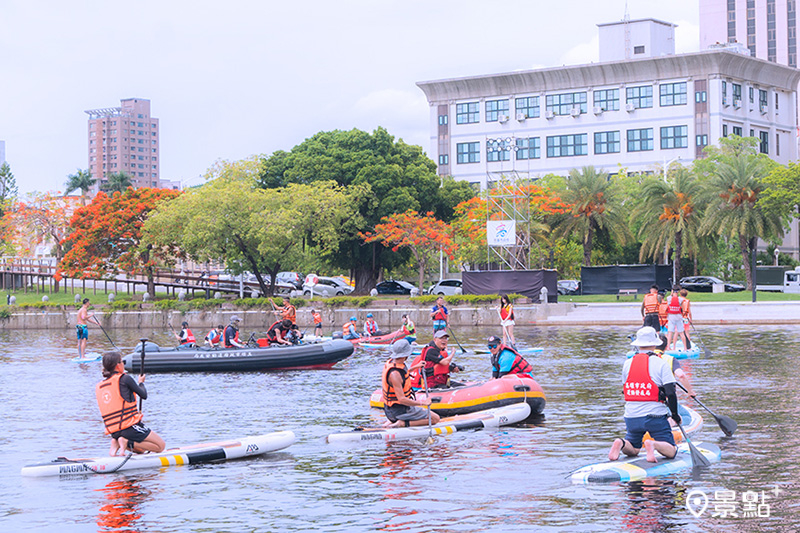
506 360
646 377
399 404
116 397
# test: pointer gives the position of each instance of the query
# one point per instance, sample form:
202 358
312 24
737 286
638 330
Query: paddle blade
698 459
726 424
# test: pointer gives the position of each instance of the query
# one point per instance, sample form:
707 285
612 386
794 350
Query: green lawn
741 296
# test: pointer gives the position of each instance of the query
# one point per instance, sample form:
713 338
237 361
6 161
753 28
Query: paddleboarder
117 399
675 327
440 315
507 319
409 329
82 327
317 322
645 377
649 308
399 404
287 311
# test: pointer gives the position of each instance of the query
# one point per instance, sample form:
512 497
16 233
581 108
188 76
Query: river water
513 479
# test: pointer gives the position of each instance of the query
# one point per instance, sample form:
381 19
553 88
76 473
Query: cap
235 318
353 319
494 340
399 349
185 324
441 333
369 315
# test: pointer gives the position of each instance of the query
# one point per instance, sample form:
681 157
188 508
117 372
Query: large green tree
781 194
8 187
82 180
230 219
399 176
117 182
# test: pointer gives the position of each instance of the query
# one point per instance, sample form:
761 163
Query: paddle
706 351
141 371
726 424
107 337
698 459
429 440
454 338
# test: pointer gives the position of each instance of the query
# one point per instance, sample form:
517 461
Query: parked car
569 286
394 287
705 283
446 287
328 287
281 288
292 278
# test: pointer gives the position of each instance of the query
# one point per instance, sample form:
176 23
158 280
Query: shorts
506 323
657 426
651 319
318 326
135 433
675 323
439 324
405 412
82 330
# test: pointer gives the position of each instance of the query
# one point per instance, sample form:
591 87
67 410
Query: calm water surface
514 479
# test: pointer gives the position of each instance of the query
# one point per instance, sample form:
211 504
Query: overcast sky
230 79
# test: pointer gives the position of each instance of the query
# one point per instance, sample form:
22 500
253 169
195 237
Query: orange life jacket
317 318
674 306
639 387
436 374
225 339
346 328
189 337
650 303
389 394
520 365
289 311
662 313
507 312
440 314
117 413
685 308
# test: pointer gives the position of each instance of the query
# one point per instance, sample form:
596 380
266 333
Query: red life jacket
639 387
225 339
389 394
520 365
189 337
372 326
674 306
117 413
213 337
507 313
436 374
650 303
440 314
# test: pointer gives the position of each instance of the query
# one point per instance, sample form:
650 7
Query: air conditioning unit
763 109
502 118
597 110
725 102
521 116
575 111
630 108
737 104
549 115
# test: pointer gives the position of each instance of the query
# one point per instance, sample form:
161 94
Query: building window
702 140
640 97
467 113
724 130
563 104
700 96
673 94
567 145
762 100
674 137
638 49
528 105
498 150
606 142
607 99
153 141
640 140
736 89
444 159
442 120
763 146
752 97
154 150
468 152
495 109
724 93
528 148
737 130
777 144
776 101
791 38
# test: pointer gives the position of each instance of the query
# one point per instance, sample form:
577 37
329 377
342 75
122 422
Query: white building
641 107
2 152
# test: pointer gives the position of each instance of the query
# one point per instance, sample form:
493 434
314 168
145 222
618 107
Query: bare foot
613 453
650 446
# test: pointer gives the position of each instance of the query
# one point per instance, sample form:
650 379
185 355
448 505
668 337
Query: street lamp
666 166
777 252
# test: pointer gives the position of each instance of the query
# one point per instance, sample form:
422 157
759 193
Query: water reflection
123 512
649 504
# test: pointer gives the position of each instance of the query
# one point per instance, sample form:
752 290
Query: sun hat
441 333
399 349
646 336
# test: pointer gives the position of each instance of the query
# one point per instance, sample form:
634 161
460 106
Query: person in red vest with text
675 327
647 378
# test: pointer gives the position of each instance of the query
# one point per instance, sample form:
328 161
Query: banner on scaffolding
501 232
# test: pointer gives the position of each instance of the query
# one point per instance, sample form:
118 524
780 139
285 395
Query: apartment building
124 139
2 152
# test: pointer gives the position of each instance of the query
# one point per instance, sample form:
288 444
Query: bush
355 301
264 303
123 305
39 305
5 314
169 304
457 299
205 303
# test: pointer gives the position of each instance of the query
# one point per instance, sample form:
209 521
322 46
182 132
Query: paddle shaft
427 395
706 351
141 371
455 339
726 423
107 337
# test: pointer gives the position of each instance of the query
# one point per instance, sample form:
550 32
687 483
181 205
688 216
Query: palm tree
82 180
117 182
594 208
733 211
671 215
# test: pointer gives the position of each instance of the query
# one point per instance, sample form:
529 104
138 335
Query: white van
791 280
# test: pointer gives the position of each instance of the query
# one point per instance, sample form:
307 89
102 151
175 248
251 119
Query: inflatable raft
475 397
187 455
493 418
637 468
205 359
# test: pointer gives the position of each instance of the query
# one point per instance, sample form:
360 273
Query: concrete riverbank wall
389 316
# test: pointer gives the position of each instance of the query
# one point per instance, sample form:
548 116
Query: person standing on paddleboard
440 315
117 399
82 327
399 404
646 377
